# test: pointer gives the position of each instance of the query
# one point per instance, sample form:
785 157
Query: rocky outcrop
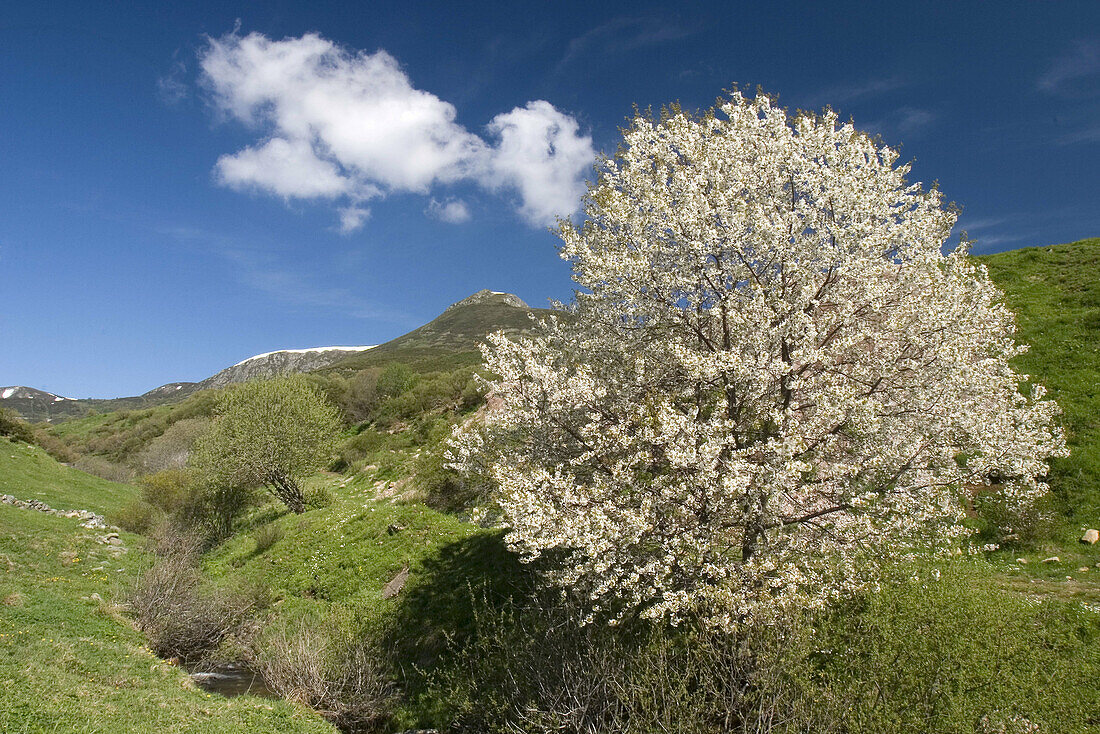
487 296
282 362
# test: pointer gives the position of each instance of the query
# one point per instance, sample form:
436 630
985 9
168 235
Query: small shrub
181 616
170 490
342 678
267 536
15 427
138 517
104 469
317 497
54 446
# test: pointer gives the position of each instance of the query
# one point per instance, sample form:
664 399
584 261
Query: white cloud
543 156
352 218
343 124
287 168
452 211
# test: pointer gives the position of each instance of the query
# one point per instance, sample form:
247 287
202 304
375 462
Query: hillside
69 661
1055 293
452 338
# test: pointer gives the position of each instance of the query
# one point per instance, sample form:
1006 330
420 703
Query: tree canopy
269 433
772 381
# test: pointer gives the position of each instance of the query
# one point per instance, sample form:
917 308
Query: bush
182 617
339 675
54 446
267 536
191 501
138 517
15 427
921 655
170 490
171 449
317 497
104 469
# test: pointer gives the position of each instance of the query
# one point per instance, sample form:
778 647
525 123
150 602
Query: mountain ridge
456 331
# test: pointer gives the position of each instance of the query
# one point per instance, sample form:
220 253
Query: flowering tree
772 382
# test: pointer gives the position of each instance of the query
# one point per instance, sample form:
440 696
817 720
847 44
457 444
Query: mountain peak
488 296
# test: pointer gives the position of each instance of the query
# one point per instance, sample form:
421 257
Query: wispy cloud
348 127
841 94
901 124
261 271
1075 73
172 86
451 211
260 268
622 35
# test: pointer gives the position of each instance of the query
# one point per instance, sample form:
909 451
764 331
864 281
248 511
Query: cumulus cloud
287 168
452 211
340 125
541 154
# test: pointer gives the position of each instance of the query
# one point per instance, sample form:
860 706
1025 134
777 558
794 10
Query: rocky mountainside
29 401
278 363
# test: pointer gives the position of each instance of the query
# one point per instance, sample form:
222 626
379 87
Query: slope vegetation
68 660
1055 293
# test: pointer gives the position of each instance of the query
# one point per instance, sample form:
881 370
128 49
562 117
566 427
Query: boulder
1091 536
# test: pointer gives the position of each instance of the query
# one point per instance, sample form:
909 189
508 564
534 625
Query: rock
1052 559
1091 536
393 588
114 541
1083 569
1021 561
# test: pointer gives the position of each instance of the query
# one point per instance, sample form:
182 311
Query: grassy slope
71 663
1055 292
29 473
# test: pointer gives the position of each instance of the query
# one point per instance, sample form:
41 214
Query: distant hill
452 339
448 341
28 401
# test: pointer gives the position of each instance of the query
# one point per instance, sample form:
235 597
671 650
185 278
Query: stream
231 680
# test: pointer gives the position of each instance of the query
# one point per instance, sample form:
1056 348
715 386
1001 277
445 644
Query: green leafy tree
269 434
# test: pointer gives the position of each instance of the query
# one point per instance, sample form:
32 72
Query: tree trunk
287 490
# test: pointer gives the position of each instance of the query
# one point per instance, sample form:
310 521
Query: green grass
344 553
29 473
1055 293
70 662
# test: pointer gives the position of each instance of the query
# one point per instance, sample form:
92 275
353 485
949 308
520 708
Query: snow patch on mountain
306 351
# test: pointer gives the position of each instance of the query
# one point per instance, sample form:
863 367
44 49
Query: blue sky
184 185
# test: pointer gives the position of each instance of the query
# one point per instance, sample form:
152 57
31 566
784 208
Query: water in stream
232 680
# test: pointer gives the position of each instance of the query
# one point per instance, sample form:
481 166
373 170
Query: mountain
449 340
452 338
30 401
281 362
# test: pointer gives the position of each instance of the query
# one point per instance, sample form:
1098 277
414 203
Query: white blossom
772 381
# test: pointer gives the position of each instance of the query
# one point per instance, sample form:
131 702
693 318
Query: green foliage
138 517
947 655
269 433
69 662
1055 293
14 427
